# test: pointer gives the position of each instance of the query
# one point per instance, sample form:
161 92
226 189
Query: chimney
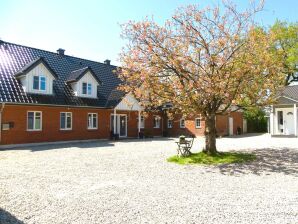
60 51
107 62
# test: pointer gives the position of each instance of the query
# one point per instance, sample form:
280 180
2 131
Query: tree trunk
210 134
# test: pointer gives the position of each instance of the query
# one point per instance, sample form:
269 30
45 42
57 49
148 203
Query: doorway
121 125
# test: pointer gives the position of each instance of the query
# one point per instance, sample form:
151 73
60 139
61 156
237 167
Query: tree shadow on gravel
269 160
7 218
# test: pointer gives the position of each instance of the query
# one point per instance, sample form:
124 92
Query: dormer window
87 88
84 82
39 83
37 77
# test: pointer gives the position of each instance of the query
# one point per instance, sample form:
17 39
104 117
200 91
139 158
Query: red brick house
47 96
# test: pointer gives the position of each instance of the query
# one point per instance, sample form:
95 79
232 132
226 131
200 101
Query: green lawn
219 158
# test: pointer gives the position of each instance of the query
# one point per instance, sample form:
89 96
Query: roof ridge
87 67
20 45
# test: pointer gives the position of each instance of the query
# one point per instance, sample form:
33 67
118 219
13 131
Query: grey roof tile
15 58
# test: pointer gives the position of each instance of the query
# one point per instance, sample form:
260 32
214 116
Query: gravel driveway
131 182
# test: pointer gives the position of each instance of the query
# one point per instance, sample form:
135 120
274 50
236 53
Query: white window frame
34 118
92 125
198 118
158 118
87 93
182 126
39 83
170 126
66 128
142 124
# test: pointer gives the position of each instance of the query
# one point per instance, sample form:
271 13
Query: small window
92 121
182 123
84 86
42 83
34 121
170 123
198 122
65 120
142 125
156 122
39 83
36 82
89 89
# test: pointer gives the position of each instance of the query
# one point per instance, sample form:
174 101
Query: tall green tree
286 44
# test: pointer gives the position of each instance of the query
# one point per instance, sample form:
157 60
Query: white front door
121 125
289 123
231 126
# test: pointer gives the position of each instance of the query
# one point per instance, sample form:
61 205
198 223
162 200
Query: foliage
219 158
286 44
256 120
202 61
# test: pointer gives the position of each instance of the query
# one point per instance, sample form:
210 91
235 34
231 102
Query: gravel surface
131 182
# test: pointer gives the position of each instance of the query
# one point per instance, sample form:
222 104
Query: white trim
118 115
287 98
92 128
295 119
159 119
34 115
171 123
66 128
129 103
182 126
200 126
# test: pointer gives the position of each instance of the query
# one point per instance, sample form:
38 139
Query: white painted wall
78 86
27 81
129 102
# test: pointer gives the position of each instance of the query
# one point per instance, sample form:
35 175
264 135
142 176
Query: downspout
1 110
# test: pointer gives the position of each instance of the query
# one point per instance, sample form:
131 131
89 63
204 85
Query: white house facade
284 114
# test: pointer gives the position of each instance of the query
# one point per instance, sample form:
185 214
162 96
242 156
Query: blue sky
90 28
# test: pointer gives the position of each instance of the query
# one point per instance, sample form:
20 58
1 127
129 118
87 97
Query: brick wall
222 123
51 124
17 114
190 127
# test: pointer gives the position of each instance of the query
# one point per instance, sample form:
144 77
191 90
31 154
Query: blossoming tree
203 61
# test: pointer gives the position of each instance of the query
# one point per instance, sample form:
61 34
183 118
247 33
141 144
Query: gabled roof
28 67
14 58
76 75
289 95
291 92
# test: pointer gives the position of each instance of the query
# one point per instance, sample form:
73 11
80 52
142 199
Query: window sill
32 130
198 127
182 127
65 130
156 127
92 129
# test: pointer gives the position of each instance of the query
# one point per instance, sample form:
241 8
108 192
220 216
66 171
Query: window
65 120
182 123
34 121
92 121
87 88
170 123
142 125
156 122
39 83
198 122
84 91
